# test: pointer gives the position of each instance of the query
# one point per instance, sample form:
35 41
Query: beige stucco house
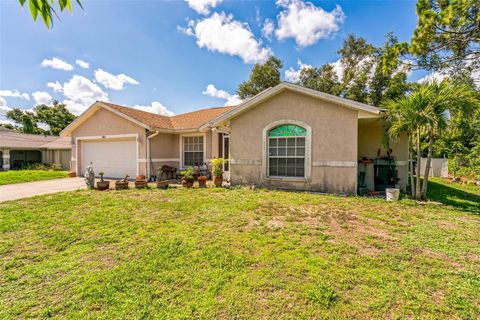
19 149
285 137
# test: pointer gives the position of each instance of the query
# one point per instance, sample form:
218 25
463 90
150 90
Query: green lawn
19 176
243 254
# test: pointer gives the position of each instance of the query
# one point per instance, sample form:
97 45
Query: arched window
286 151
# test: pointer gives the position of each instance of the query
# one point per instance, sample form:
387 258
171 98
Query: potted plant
122 184
202 181
161 184
188 178
140 182
217 170
102 184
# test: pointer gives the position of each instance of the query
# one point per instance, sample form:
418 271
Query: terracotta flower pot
140 177
202 181
72 174
218 181
187 183
140 184
163 184
103 185
121 185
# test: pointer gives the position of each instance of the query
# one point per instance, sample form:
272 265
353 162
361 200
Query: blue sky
168 52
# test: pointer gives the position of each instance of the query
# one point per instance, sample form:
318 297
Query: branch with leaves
46 9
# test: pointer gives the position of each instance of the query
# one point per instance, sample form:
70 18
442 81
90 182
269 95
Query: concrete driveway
30 189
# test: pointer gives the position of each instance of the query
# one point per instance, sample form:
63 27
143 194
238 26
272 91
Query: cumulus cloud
14 94
221 33
56 86
3 103
293 75
81 93
306 23
111 81
83 64
231 99
434 76
268 28
42 97
57 63
203 6
155 107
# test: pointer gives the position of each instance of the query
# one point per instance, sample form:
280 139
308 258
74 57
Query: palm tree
425 111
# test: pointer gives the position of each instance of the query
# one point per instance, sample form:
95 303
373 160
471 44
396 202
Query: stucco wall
370 139
104 123
334 143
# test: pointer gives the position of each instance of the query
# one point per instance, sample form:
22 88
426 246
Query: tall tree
43 120
425 112
47 10
323 79
447 34
262 76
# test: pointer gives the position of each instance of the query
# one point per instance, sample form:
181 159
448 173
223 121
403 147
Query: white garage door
114 157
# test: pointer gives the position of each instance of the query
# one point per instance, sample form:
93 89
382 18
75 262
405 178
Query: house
19 149
287 136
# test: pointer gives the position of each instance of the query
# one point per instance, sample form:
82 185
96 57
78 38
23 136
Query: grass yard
243 254
19 176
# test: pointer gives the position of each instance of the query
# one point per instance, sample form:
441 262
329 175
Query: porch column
215 148
6 159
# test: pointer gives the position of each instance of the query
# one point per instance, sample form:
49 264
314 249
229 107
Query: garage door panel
114 157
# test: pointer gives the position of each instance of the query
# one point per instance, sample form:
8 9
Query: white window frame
308 150
182 154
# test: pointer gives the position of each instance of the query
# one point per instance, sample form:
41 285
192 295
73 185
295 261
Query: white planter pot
392 194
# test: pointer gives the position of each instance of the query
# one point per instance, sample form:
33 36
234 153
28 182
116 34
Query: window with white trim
193 151
286 151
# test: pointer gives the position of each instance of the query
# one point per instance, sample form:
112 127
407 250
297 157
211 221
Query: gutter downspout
149 156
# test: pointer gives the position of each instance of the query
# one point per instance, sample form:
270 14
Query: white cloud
221 33
203 6
14 94
267 29
3 103
115 82
3 107
41 97
293 75
306 23
56 86
434 76
231 99
83 64
81 93
57 63
43 125
155 107
338 68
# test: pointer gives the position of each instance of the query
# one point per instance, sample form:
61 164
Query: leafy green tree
47 10
425 112
447 35
262 76
323 79
356 59
56 117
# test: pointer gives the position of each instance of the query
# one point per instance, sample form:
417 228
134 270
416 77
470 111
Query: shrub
217 166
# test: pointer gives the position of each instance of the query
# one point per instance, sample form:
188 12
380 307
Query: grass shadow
460 197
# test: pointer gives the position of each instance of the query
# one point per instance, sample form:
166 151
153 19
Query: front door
226 156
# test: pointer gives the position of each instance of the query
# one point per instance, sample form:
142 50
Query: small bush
322 294
43 166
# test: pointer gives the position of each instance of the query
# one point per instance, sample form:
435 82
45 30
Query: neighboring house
285 137
19 149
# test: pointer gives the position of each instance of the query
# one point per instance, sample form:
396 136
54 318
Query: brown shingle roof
16 140
185 121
